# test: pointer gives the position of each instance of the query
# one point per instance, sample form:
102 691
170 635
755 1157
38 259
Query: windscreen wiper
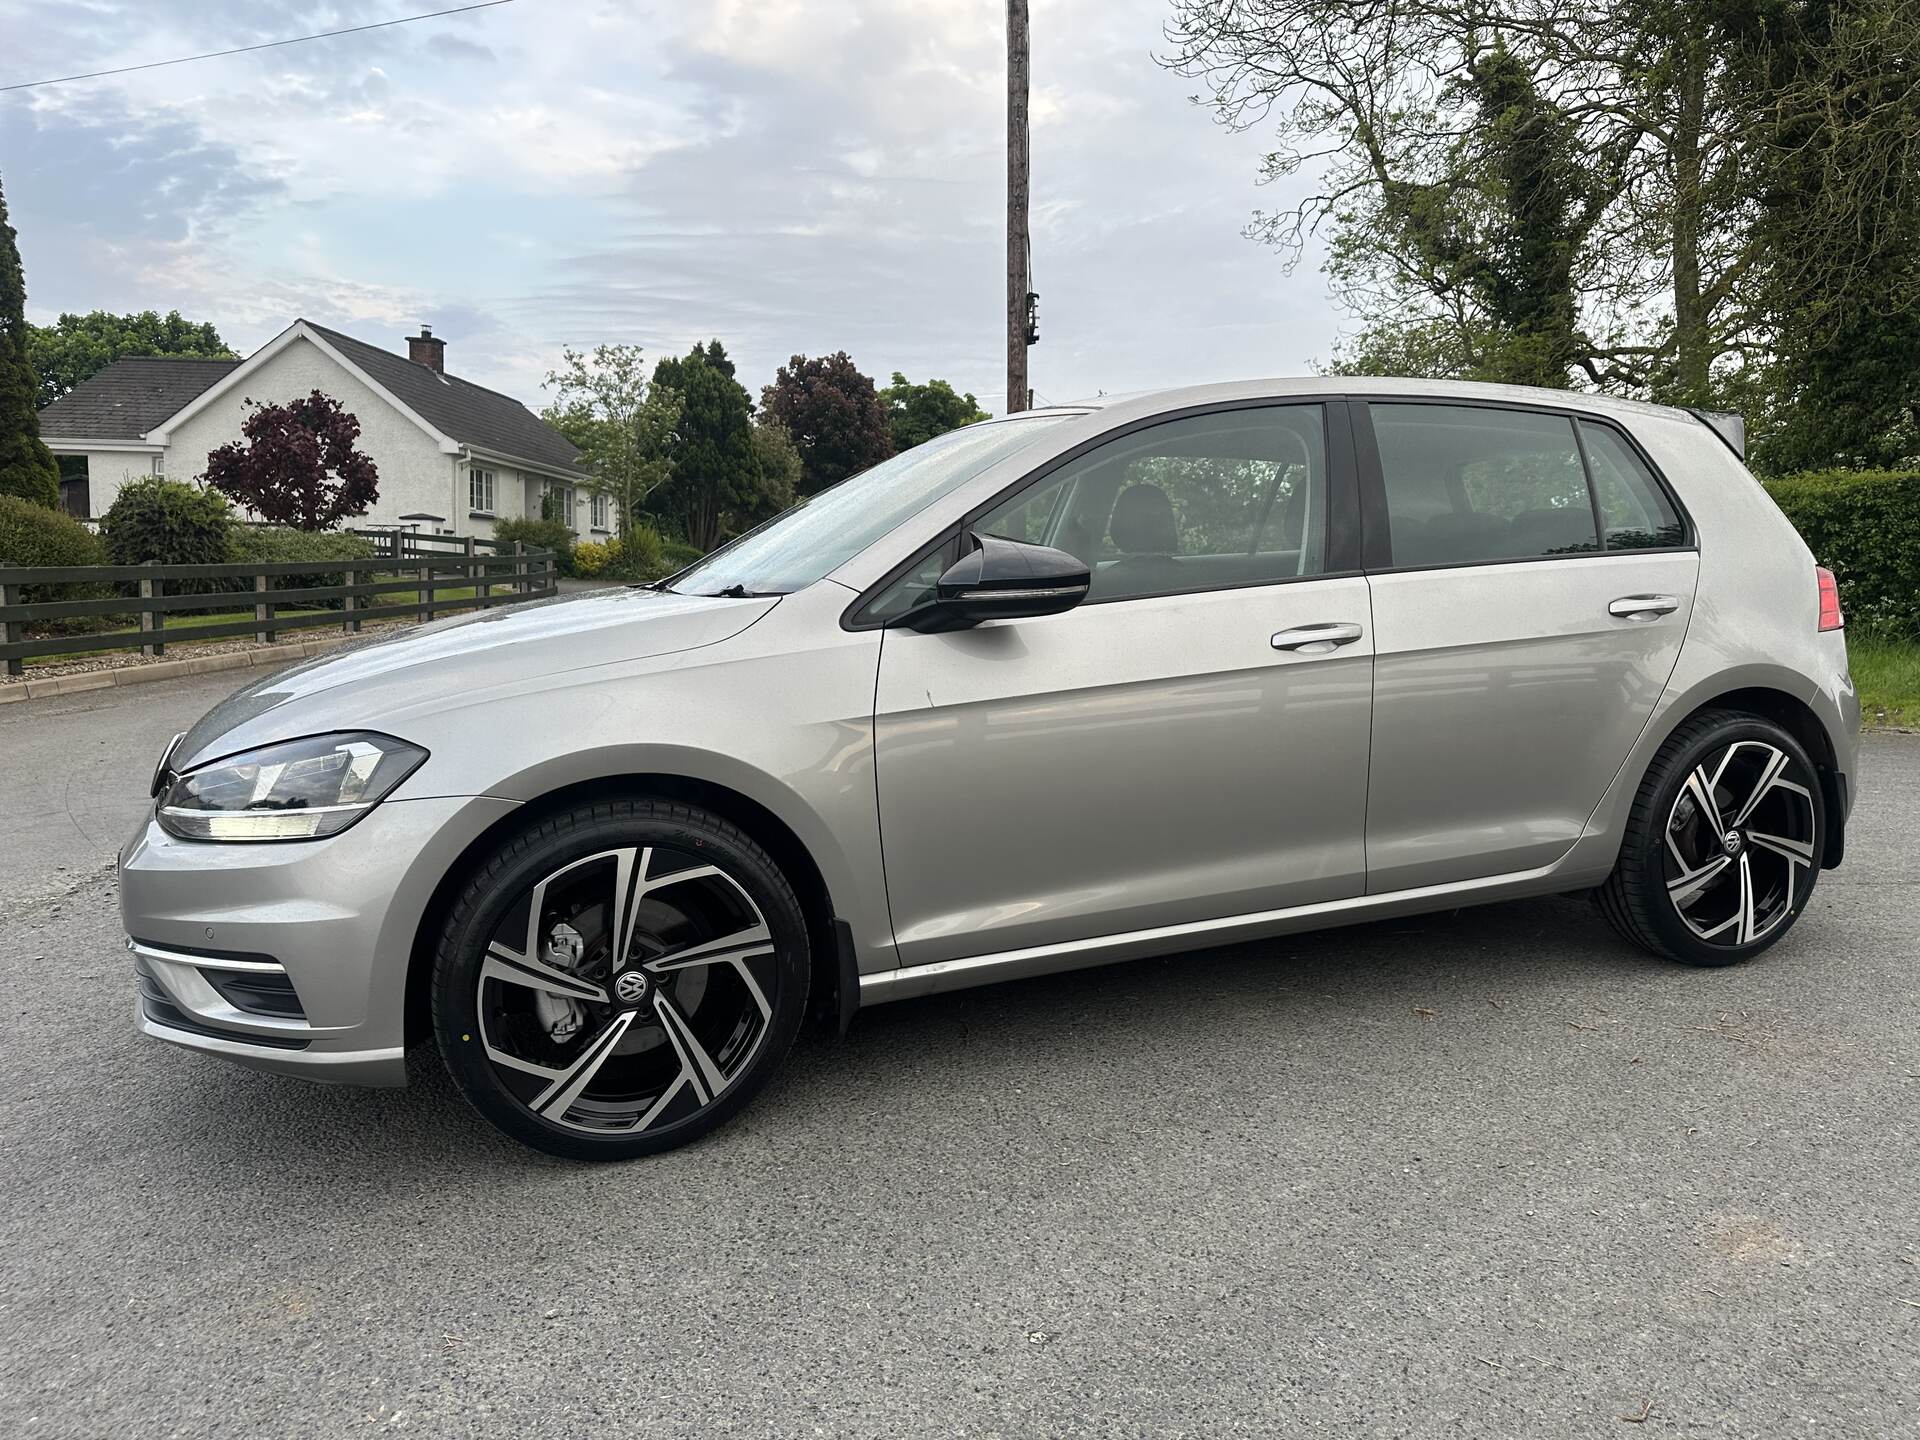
737 591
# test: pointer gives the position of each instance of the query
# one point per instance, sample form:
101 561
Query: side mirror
1006 580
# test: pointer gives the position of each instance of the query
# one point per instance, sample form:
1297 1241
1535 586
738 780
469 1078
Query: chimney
423 349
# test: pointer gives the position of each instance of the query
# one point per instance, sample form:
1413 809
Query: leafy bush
638 555
539 535
678 554
265 545
1864 525
165 522
31 534
590 557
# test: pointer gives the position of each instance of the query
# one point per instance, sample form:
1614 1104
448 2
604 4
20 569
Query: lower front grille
157 1006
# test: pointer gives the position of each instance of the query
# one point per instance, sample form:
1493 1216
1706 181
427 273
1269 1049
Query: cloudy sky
789 175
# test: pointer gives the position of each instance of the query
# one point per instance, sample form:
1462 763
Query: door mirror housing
1001 579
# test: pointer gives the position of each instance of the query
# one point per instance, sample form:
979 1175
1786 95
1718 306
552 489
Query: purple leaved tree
297 465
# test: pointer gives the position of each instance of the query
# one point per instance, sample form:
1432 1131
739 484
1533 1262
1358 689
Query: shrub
539 535
1864 525
636 556
265 545
31 534
165 522
678 554
590 557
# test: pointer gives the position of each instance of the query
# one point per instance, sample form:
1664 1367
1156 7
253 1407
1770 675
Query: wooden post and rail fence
436 574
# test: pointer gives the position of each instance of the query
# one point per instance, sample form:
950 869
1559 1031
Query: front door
1532 581
1174 750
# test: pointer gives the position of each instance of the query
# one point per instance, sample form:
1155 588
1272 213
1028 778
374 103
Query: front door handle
1317 639
1630 607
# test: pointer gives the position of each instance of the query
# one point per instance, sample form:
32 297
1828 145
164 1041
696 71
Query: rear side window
1633 508
1467 484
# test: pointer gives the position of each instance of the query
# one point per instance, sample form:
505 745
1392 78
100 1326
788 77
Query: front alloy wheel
1723 845
621 979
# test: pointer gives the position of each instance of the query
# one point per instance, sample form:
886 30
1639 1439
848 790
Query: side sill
942 975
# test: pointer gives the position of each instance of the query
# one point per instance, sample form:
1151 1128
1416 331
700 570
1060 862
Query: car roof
1148 402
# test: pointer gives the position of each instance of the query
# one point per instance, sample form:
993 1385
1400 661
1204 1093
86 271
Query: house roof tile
129 397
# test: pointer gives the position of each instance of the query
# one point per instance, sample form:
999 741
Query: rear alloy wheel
1723 845
621 979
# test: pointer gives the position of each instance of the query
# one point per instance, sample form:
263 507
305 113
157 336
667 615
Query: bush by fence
33 535
269 545
156 521
1864 525
549 535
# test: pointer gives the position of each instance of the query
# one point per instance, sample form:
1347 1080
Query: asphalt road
1486 1174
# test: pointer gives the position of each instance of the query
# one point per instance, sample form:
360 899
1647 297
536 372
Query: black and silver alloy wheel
1740 843
1723 844
622 981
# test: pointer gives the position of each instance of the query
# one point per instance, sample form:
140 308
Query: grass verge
1887 674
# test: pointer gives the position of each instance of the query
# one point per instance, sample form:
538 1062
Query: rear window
1472 484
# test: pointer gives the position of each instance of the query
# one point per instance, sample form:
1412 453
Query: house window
160 464
480 490
599 512
556 503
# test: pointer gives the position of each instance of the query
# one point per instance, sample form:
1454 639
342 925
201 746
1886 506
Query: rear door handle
1629 607
1317 639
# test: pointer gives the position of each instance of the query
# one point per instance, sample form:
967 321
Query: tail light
1830 616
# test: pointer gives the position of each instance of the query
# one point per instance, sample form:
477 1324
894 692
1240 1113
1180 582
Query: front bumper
292 957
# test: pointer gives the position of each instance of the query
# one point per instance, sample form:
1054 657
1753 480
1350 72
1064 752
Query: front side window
599 512
1237 497
480 490
1468 484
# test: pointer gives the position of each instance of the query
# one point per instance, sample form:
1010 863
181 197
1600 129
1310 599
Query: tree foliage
75 348
297 465
834 414
27 469
1697 201
621 423
917 413
781 474
716 466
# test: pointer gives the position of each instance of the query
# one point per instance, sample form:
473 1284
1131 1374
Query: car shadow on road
1325 994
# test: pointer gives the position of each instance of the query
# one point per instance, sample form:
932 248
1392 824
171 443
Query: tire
566 1050
1691 883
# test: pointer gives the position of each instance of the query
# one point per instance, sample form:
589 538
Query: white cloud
784 174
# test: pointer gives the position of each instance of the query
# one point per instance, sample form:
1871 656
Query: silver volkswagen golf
1072 687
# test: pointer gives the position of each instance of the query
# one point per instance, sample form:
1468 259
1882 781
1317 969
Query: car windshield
800 545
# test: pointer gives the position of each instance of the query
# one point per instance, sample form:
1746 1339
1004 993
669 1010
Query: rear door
1532 579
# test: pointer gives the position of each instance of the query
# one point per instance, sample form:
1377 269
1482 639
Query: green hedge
539 535
31 534
1864 525
262 545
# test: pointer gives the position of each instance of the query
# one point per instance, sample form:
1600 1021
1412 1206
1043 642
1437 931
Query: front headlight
297 790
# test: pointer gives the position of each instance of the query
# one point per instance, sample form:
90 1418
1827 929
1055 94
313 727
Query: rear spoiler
1731 428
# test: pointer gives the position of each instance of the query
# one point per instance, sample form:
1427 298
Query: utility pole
1017 160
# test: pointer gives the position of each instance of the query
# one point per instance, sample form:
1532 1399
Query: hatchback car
1070 687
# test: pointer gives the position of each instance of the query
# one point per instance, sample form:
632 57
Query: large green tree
621 423
1541 189
1829 95
835 415
917 413
26 465
716 467
75 348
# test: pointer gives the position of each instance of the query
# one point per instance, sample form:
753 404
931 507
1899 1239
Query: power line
247 49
